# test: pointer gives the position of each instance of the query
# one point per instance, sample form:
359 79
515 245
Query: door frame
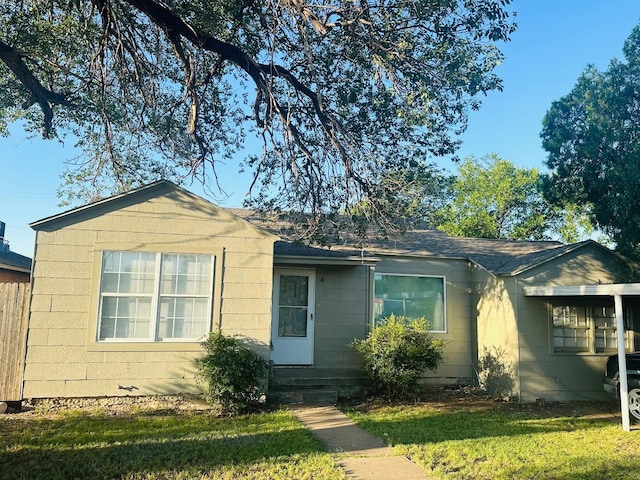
293 350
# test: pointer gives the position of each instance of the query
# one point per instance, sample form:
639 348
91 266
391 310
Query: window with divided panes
154 297
586 328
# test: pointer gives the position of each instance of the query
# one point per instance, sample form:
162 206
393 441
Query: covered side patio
619 292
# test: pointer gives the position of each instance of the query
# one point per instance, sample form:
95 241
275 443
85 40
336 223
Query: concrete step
303 396
315 386
347 382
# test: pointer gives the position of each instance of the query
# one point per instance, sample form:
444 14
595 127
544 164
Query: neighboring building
125 288
14 268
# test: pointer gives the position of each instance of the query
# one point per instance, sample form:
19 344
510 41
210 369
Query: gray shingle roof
296 249
500 257
522 263
497 256
11 259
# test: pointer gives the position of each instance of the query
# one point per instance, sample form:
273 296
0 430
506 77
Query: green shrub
397 352
234 376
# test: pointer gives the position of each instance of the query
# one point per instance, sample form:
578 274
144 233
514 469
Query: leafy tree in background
338 93
493 198
574 223
421 191
592 136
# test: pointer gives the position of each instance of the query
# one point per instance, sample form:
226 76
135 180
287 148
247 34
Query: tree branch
37 92
173 24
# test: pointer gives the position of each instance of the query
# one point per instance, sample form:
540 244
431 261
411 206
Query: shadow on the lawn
103 447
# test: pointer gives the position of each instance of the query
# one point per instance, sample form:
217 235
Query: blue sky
554 42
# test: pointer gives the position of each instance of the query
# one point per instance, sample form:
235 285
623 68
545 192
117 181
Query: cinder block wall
63 357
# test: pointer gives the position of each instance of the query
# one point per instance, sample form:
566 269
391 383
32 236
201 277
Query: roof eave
105 201
14 268
39 224
320 260
567 249
429 255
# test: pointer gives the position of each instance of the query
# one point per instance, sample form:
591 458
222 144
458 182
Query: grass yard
452 436
160 445
487 440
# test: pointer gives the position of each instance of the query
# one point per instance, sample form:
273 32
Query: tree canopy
493 198
337 93
592 136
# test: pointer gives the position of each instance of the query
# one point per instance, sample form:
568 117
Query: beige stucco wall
63 357
457 366
494 301
342 314
560 376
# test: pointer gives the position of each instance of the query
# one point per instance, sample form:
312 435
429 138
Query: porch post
622 365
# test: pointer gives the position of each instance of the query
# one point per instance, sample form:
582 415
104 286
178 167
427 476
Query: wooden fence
14 314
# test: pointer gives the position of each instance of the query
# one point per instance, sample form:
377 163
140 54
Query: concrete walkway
362 456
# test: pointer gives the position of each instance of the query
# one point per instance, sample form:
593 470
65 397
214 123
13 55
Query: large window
586 328
410 296
154 296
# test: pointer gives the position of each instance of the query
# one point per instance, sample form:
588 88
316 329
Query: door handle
311 316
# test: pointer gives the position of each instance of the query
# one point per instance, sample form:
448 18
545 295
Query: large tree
339 93
592 136
493 198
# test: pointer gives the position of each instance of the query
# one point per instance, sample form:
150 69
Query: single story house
125 288
14 268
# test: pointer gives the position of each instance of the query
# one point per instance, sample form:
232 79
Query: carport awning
617 291
624 289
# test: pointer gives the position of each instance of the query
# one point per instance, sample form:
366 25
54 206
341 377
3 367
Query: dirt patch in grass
114 405
445 399
456 398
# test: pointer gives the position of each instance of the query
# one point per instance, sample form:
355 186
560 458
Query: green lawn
462 443
449 440
160 445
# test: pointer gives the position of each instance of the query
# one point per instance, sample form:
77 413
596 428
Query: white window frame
156 296
444 296
590 327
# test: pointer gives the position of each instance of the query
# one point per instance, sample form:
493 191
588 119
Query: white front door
293 316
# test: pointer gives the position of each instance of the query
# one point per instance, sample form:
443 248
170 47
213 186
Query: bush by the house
234 376
397 352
